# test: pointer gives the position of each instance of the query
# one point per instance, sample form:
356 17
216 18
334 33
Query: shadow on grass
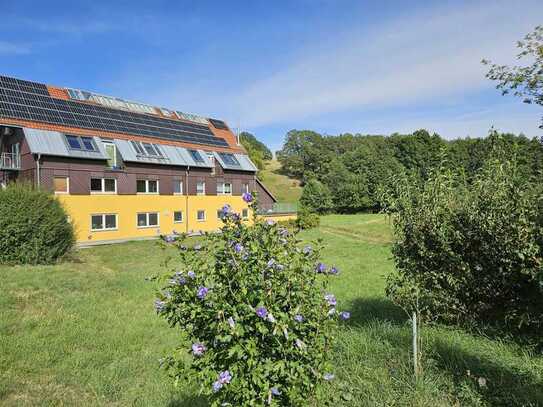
502 385
365 310
188 401
506 383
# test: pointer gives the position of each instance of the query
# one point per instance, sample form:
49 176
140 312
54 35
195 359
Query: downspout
187 200
38 170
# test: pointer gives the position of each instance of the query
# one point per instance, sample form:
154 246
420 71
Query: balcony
277 208
10 161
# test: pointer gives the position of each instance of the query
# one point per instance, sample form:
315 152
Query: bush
306 219
33 226
470 252
257 316
316 197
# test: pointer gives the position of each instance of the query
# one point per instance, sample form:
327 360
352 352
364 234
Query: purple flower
275 391
231 322
261 312
217 386
247 197
298 318
238 247
225 377
225 210
202 292
307 250
279 267
328 376
345 315
198 349
330 299
270 222
334 271
270 263
191 274
283 232
178 279
320 268
159 305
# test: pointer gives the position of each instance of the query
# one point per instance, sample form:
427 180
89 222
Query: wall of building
80 209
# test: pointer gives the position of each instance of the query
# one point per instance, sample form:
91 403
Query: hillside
285 189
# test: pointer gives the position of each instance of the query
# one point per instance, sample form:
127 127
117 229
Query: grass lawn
285 189
85 333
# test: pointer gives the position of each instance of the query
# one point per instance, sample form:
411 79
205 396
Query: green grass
84 333
284 189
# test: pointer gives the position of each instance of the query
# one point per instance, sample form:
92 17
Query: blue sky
271 66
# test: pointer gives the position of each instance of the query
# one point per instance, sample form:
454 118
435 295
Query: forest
348 172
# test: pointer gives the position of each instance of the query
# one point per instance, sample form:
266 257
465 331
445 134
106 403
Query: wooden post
415 346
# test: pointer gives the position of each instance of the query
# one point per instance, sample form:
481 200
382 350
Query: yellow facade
80 208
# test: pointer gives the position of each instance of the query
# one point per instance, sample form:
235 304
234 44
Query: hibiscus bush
254 306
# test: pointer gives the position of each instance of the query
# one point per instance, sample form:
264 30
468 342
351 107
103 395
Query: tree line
348 173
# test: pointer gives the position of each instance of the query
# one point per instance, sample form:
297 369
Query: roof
237 162
266 189
55 143
35 105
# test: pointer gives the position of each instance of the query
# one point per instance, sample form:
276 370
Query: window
224 188
145 186
245 214
211 157
245 188
229 159
103 222
195 154
177 187
104 185
81 143
201 216
147 219
61 185
177 217
147 149
137 146
200 188
111 152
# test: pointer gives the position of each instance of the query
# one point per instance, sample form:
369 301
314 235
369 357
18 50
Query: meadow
84 332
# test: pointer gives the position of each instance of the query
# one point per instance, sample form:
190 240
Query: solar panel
31 101
218 124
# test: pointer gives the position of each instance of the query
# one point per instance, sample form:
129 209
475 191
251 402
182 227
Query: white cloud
9 48
425 57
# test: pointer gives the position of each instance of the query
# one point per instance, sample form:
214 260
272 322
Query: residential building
123 170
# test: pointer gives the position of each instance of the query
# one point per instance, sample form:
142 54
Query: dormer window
147 149
81 143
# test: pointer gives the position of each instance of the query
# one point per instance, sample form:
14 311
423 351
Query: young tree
523 81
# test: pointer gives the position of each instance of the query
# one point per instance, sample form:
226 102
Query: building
123 170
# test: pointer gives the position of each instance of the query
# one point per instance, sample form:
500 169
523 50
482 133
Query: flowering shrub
257 314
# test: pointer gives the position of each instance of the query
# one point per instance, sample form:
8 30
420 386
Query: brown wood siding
264 199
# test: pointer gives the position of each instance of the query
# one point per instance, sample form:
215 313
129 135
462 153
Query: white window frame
147 226
245 217
177 221
220 191
245 188
103 191
180 182
205 215
103 215
67 186
147 187
204 187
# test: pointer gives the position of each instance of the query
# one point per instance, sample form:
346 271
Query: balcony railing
10 161
277 208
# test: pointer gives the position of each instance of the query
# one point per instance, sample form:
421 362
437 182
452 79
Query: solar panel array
31 101
218 124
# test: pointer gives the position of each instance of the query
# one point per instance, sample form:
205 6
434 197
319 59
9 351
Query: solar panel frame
31 101
218 124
